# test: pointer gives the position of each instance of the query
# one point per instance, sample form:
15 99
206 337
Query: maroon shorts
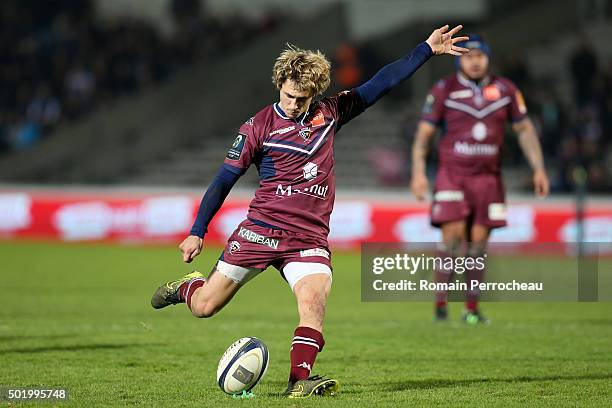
479 199
254 246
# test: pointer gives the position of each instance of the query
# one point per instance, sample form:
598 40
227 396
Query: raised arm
211 202
441 41
530 145
420 147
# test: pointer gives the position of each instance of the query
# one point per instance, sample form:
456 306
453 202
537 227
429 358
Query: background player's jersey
473 121
295 160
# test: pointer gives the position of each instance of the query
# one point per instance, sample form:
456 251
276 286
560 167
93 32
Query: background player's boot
441 314
313 385
474 317
168 293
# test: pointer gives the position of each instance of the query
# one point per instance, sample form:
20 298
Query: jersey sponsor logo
282 131
317 121
462 94
520 101
258 238
316 191
305 133
233 246
491 93
475 149
314 252
236 150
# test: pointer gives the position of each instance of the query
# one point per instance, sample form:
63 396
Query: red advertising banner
168 218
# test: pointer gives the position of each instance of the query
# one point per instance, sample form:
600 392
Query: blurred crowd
59 60
576 137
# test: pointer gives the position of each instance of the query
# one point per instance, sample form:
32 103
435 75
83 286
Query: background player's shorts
478 198
252 248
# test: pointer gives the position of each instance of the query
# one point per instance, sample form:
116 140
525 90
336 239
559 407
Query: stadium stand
183 146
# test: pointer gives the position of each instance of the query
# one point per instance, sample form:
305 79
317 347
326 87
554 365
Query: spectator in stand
583 67
58 62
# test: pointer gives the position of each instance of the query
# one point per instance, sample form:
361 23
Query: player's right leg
449 212
453 238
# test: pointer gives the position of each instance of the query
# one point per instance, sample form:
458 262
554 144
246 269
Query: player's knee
204 309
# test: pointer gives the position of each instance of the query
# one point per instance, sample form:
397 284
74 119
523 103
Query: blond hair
309 70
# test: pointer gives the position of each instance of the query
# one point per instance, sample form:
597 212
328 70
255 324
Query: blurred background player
472 107
291 143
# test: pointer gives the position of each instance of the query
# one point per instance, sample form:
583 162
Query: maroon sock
472 296
187 289
307 343
442 275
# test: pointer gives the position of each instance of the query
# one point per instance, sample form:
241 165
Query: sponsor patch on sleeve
520 101
236 150
429 101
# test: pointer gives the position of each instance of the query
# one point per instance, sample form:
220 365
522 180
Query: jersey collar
471 84
300 119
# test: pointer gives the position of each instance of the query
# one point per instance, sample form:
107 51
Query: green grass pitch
78 316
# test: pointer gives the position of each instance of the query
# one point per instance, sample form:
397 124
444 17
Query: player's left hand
541 185
441 41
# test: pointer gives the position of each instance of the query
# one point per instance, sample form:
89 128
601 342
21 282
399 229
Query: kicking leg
204 296
211 295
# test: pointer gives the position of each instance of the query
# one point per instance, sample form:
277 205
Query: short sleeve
344 106
433 109
245 147
518 108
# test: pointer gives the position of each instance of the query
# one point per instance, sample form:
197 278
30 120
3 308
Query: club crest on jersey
305 133
317 121
233 246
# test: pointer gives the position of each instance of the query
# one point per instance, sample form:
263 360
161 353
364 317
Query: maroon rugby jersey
473 120
295 161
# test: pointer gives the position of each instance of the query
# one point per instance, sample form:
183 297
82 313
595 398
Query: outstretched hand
441 41
190 248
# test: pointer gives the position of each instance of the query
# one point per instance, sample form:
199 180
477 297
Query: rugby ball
242 365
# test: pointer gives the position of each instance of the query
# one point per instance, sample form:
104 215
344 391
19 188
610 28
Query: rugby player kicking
291 144
473 108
